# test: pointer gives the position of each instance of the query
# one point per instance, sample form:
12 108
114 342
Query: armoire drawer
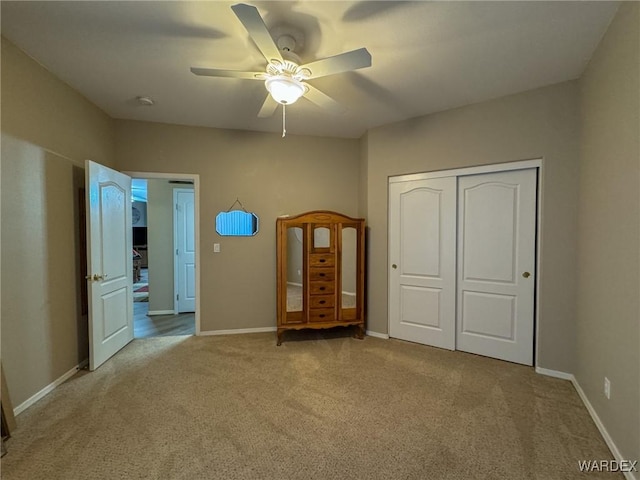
322 260
321 288
322 274
321 315
321 301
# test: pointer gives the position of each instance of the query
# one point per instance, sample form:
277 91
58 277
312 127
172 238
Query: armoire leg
280 332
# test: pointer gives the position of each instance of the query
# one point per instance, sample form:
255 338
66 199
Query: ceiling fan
284 78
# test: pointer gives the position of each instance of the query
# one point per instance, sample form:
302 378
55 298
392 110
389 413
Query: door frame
176 276
536 163
195 178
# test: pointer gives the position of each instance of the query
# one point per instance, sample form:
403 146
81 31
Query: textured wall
48 130
608 320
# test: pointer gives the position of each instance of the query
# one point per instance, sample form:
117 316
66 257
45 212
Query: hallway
145 326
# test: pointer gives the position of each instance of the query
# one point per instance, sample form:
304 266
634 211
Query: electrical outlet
216 248
607 388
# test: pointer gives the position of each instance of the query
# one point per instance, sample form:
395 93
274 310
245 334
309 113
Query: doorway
157 311
462 250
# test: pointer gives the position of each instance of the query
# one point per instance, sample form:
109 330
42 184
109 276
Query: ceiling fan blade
252 21
268 107
214 72
343 62
323 100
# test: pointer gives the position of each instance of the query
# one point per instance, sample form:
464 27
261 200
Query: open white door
496 264
109 262
185 246
422 254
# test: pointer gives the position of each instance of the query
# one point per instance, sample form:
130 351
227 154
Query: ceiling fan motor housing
286 43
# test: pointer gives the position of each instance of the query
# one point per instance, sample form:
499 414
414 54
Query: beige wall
608 313
270 175
160 244
537 124
41 109
364 176
48 130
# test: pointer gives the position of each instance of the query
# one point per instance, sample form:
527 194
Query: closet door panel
496 262
422 261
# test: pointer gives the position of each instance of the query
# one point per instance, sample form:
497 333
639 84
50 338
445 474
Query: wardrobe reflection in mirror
349 265
295 269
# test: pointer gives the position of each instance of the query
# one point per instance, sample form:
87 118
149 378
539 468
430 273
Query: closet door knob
394 266
526 274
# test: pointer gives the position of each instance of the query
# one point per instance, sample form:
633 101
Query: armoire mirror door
348 274
294 274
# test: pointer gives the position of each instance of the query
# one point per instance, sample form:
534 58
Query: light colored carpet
321 406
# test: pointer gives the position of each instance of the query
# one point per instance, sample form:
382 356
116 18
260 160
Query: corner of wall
363 175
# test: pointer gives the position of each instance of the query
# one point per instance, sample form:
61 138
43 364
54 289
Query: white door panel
184 226
109 262
488 314
422 256
490 220
496 246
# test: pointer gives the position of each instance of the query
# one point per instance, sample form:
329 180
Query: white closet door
496 264
422 239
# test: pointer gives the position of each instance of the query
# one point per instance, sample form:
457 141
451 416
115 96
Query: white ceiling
427 56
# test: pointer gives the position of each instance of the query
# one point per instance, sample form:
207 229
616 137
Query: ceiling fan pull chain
284 119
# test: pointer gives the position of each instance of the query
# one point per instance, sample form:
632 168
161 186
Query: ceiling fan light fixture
284 90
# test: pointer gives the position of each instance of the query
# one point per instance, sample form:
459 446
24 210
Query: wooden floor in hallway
145 326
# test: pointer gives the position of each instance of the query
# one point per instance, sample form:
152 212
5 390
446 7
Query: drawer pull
322 260
322 274
322 302
322 315
322 288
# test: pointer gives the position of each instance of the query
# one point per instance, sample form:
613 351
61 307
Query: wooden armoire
320 272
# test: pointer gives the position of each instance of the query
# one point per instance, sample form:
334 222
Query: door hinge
176 251
177 296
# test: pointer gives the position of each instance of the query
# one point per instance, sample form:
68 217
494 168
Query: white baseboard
555 373
160 312
371 333
603 431
49 388
596 419
235 331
